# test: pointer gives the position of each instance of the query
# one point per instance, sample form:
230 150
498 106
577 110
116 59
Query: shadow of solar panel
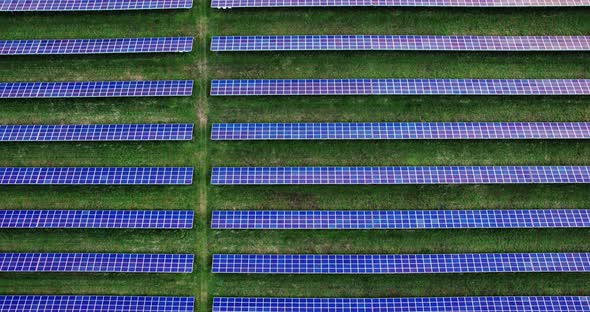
96 46
226 4
401 264
400 42
123 132
95 262
93 5
400 175
416 304
97 219
96 89
401 130
96 175
51 303
401 87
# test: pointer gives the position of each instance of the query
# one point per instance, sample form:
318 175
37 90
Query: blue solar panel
415 304
95 46
401 264
97 219
123 132
96 175
400 175
96 303
403 42
401 130
399 219
94 262
96 89
401 87
225 4
92 5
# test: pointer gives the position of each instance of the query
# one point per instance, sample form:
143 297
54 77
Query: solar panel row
430 304
96 89
404 42
224 4
93 5
122 132
96 175
399 219
94 262
97 219
401 87
401 264
96 303
95 46
400 175
401 130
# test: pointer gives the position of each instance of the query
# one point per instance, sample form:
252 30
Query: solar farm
295 155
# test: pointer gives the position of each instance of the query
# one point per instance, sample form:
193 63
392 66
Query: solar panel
414 304
95 175
227 4
401 87
92 5
400 42
96 303
122 132
400 175
401 130
96 89
95 262
399 219
96 219
401 264
95 46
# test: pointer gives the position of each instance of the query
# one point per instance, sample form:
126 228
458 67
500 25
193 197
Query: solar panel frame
95 89
61 303
96 175
94 5
96 219
96 262
400 263
400 131
398 43
396 86
228 4
96 46
100 132
400 175
398 219
412 304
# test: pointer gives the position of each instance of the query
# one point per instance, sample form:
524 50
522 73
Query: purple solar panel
30 303
96 89
91 5
404 42
400 175
400 130
95 46
401 87
228 4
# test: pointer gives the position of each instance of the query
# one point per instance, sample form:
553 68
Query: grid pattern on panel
221 4
400 175
92 5
94 262
400 42
415 304
95 175
401 87
399 219
50 303
401 130
96 89
95 219
95 46
122 132
401 264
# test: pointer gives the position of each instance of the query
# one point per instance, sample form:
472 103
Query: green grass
202 65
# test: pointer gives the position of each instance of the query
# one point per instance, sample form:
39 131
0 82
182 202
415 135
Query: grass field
202 65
